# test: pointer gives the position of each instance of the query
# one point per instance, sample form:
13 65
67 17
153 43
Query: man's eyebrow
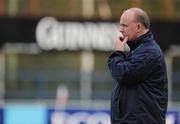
122 24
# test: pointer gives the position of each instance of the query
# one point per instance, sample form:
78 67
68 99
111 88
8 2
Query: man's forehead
127 16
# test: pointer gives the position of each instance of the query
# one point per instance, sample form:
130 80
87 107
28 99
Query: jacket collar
138 41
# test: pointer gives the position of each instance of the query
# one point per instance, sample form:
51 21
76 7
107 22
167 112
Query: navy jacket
139 94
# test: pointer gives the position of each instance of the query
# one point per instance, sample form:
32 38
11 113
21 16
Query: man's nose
121 29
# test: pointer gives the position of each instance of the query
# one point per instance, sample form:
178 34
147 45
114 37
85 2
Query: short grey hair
142 17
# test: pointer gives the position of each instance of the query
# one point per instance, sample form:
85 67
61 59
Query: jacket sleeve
115 58
130 70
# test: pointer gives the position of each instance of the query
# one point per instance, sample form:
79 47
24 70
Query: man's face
128 25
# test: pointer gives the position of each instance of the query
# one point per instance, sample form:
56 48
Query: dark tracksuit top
139 93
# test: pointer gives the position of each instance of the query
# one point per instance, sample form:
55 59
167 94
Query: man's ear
139 25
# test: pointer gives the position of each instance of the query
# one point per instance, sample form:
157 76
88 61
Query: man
139 94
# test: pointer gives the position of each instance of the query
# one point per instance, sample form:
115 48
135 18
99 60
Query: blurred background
53 56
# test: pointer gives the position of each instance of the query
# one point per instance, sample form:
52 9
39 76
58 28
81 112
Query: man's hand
120 43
